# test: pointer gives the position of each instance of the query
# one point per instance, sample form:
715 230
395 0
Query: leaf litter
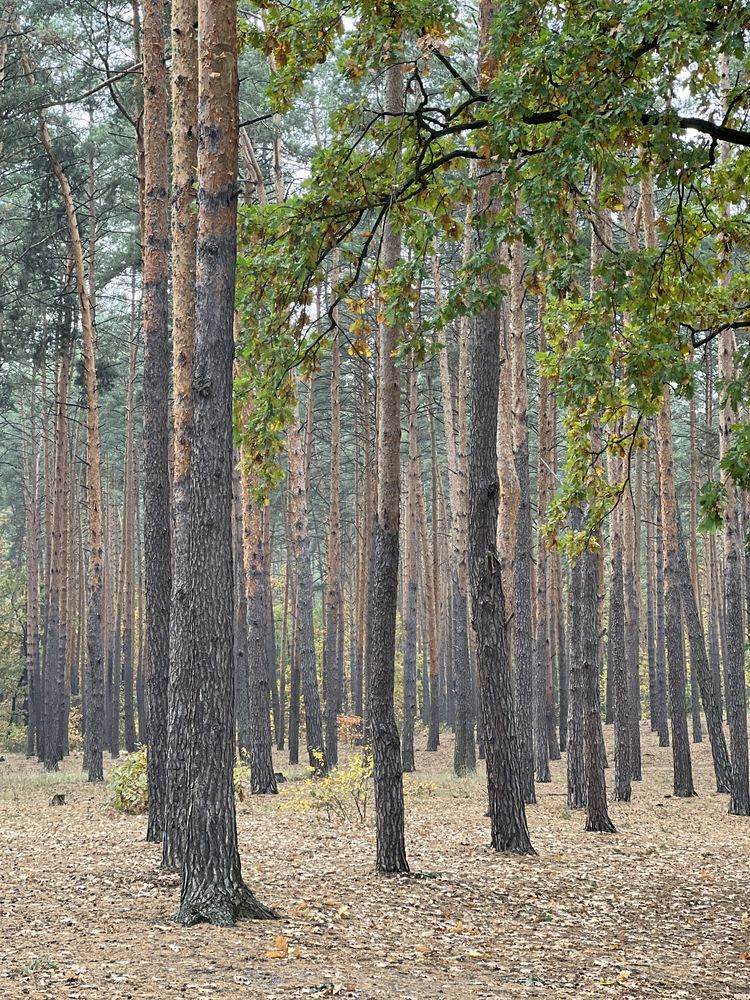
661 909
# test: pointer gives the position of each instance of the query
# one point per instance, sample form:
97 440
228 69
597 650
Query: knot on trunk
202 383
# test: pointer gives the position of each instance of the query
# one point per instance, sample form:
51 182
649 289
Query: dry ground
661 909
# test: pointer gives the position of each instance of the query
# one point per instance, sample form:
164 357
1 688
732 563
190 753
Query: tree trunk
683 774
509 831
31 510
545 621
212 886
651 596
263 780
661 649
333 569
294 678
305 637
156 509
631 545
281 733
95 638
734 668
699 661
55 644
592 588
241 674
577 715
410 582
430 624
128 535
597 814
617 651
184 79
386 748
464 757
370 514
113 643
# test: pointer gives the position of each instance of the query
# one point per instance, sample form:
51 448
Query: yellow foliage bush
419 789
75 727
349 728
343 795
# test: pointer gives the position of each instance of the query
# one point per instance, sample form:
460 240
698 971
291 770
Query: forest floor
661 909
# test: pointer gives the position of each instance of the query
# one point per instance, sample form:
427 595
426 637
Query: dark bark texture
212 886
509 830
156 521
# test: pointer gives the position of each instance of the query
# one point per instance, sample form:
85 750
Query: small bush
349 728
413 787
130 784
75 728
343 795
241 776
14 739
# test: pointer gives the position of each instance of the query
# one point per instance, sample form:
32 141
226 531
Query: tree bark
734 668
94 695
631 545
617 651
577 717
305 637
597 814
241 672
212 886
464 757
661 648
430 624
509 831
128 535
333 570
699 661
651 596
527 685
683 774
411 582
184 81
262 777
31 511
156 494
386 747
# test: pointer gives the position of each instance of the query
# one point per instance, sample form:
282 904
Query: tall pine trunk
683 773
304 629
183 224
411 539
386 746
334 597
156 494
464 755
212 886
94 695
509 831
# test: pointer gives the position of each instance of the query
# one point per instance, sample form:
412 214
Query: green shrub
14 739
130 782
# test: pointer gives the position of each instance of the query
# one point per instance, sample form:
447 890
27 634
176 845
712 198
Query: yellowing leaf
280 949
